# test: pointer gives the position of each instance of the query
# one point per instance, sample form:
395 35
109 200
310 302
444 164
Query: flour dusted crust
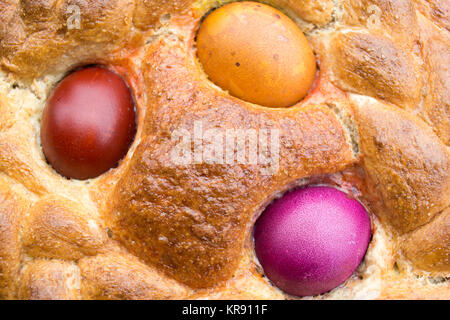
376 125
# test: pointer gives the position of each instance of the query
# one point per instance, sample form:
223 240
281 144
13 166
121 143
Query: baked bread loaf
376 125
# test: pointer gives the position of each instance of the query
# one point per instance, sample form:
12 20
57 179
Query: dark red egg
88 124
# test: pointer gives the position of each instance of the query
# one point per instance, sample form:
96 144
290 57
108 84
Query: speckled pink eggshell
311 240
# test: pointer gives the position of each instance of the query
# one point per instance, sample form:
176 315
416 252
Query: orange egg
257 54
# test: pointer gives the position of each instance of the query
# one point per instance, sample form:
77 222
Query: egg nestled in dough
257 54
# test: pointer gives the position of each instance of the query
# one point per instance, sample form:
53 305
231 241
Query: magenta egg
311 240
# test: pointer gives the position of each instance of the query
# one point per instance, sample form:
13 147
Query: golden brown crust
17 158
11 211
373 65
150 13
407 163
317 12
428 246
376 124
206 206
119 276
49 280
57 228
391 18
436 10
436 50
40 33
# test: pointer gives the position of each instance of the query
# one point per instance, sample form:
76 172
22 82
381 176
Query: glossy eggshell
311 240
256 53
88 123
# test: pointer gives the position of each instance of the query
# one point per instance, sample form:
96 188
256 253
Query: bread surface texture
376 124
